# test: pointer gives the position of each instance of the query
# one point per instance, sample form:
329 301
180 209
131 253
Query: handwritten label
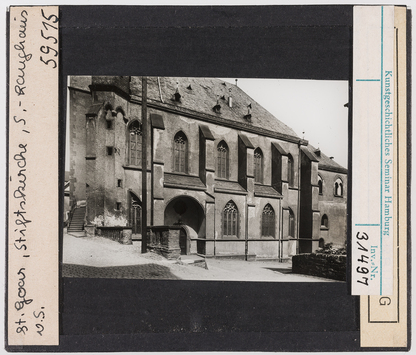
33 233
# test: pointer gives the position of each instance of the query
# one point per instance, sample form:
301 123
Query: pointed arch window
324 221
291 224
268 228
180 153
135 143
290 170
135 214
230 220
222 160
320 185
338 188
258 166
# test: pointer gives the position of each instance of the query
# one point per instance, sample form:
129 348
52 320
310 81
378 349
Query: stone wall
322 265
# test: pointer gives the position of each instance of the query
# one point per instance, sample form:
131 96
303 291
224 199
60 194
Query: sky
315 107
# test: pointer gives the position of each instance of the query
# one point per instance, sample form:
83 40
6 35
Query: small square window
109 124
118 206
109 150
119 183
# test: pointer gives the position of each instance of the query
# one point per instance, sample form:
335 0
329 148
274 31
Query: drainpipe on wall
215 228
298 216
144 164
280 253
246 232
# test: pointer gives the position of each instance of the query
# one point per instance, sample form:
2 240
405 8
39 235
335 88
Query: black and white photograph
245 179
208 178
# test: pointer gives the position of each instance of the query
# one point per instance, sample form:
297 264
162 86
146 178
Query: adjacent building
239 181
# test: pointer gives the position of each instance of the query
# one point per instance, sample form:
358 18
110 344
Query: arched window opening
321 242
320 185
135 212
268 228
338 188
135 143
222 160
291 224
230 220
290 170
180 153
258 165
324 221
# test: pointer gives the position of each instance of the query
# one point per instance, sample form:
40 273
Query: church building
238 181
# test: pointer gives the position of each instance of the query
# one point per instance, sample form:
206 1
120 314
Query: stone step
191 259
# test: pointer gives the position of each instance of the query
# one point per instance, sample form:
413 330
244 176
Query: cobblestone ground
146 271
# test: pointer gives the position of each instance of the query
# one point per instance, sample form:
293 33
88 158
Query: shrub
329 249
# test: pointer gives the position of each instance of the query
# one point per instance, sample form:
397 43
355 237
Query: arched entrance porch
186 211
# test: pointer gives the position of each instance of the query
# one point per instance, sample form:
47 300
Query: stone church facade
240 182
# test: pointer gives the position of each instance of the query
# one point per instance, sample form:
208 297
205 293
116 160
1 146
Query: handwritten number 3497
46 49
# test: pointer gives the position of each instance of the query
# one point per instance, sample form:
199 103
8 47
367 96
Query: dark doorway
135 214
184 242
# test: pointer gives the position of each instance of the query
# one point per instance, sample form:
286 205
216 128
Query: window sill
181 174
323 228
134 167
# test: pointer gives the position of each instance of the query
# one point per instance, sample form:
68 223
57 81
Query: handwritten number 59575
47 49
49 18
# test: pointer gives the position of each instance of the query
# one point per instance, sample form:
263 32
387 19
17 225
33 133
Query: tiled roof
324 162
229 186
265 191
183 181
201 95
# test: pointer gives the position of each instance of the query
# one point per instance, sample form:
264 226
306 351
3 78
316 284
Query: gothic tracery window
135 144
268 222
222 160
180 153
135 214
230 220
338 188
258 165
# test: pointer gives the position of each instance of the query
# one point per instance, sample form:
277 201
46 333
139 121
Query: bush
329 249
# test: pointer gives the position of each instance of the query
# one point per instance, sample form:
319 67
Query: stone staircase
77 221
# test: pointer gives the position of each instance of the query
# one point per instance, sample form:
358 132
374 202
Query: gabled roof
202 94
324 162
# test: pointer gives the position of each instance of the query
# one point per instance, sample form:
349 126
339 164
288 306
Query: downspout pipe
299 192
